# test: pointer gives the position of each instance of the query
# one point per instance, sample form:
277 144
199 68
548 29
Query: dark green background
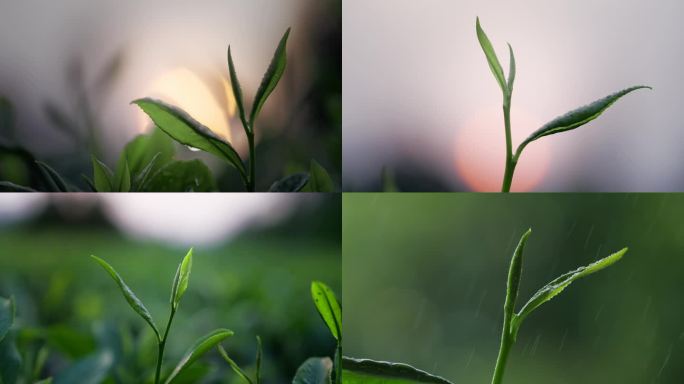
425 278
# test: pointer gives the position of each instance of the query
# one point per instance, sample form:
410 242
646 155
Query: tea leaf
181 176
188 131
123 177
489 52
271 77
7 186
131 298
10 359
6 316
363 371
550 290
291 183
180 281
511 71
91 370
578 117
233 365
319 179
140 151
237 91
328 308
202 346
514 273
53 181
102 176
315 370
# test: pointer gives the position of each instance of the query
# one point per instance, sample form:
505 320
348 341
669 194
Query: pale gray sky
416 85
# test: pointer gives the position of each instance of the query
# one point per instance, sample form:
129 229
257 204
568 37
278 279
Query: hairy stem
162 344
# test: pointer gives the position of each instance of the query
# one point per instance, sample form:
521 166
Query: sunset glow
481 151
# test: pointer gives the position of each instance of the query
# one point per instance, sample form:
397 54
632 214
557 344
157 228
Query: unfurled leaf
52 179
315 370
181 176
188 131
140 151
102 176
180 281
362 371
124 178
492 59
6 316
319 179
514 274
131 298
237 92
202 346
578 117
271 77
550 290
291 183
233 365
328 307
93 369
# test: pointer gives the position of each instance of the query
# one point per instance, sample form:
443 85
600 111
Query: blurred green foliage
437 264
257 284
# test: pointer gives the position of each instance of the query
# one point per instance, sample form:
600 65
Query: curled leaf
492 59
202 346
271 77
181 280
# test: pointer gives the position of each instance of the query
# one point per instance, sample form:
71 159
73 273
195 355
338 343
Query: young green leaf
124 177
53 181
140 151
202 346
102 176
315 370
319 179
128 294
363 371
514 273
237 92
328 308
271 78
180 281
181 176
291 183
550 290
188 131
492 59
259 354
578 117
511 71
6 316
233 365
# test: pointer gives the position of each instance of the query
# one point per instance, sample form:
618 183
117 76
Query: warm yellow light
183 88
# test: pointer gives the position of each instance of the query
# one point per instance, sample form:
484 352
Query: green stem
338 364
251 184
162 344
510 160
504 349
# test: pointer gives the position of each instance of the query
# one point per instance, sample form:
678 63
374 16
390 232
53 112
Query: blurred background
254 259
69 70
419 97
437 268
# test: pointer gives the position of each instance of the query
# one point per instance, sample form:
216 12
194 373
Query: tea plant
370 371
188 131
180 285
569 121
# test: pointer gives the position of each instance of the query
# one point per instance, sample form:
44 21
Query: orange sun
481 151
